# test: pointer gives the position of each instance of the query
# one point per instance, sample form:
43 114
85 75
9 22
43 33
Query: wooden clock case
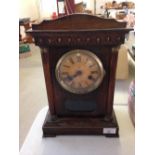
70 113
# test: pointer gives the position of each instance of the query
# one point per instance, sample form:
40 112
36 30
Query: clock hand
70 78
90 77
78 73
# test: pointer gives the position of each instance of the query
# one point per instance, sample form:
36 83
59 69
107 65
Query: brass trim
80 91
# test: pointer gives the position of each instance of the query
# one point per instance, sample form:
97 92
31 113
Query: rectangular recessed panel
80 105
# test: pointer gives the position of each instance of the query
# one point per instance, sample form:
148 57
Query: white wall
47 7
28 8
36 9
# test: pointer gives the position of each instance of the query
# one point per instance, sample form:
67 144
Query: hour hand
78 73
68 78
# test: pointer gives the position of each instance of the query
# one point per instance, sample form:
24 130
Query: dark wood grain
79 126
79 21
112 65
79 31
46 67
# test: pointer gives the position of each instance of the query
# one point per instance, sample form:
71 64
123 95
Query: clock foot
108 118
54 118
49 135
80 126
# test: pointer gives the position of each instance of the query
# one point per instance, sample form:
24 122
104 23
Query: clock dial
79 71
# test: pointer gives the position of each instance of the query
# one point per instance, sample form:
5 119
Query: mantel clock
79 56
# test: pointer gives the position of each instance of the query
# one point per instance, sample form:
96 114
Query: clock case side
47 75
78 31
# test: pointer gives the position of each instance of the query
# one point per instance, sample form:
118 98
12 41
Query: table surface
35 144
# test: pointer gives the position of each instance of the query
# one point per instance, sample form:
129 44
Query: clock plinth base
80 126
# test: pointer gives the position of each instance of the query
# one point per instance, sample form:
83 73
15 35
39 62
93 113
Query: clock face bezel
82 90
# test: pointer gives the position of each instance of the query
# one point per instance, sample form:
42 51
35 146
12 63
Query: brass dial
79 71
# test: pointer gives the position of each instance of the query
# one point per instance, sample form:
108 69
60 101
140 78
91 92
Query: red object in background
69 7
54 15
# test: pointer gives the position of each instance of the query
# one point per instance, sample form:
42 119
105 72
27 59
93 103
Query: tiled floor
33 92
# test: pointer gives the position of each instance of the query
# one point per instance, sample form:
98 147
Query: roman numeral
65 73
90 77
86 83
67 66
71 60
80 85
94 72
86 61
72 84
91 65
78 58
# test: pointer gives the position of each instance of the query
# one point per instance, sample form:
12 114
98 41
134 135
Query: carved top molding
79 22
79 30
92 38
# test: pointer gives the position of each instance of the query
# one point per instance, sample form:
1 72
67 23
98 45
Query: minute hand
78 73
70 78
